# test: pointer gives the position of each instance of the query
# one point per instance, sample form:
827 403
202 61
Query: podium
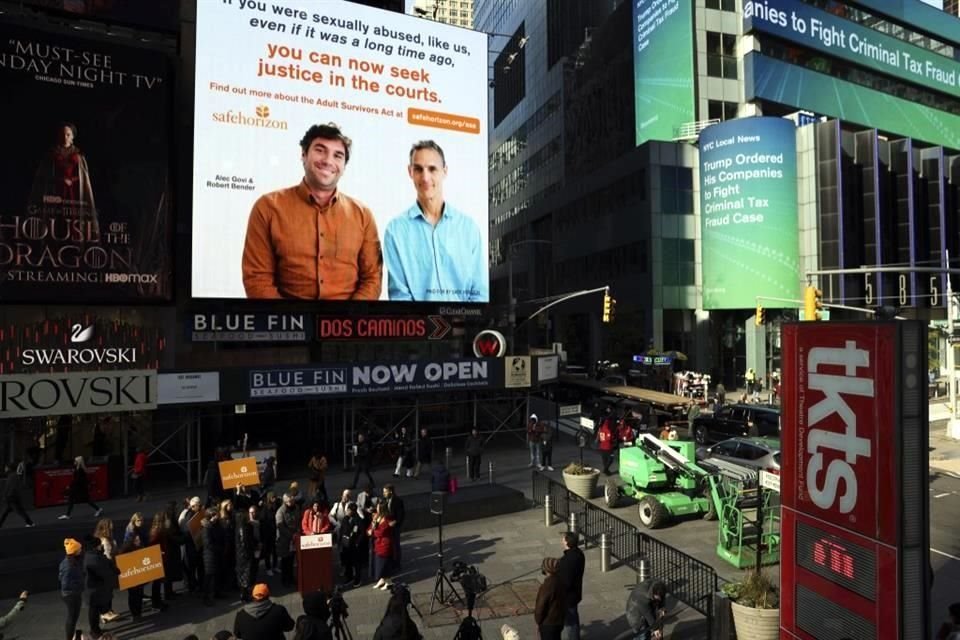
315 563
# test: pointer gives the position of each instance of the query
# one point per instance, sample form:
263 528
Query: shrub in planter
581 479
755 602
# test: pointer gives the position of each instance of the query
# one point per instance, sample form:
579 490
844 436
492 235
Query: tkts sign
854 523
80 343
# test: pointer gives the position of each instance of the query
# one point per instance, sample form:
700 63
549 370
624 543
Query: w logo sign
489 344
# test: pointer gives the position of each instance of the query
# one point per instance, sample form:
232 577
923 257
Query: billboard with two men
340 154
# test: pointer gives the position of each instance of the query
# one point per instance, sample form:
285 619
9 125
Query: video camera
339 609
472 581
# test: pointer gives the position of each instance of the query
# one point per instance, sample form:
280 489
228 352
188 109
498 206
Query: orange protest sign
243 471
140 566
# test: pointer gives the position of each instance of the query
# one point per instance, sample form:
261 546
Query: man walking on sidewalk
534 441
12 493
474 449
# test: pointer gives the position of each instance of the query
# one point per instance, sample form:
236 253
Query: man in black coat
424 452
12 490
474 449
362 459
212 549
570 573
100 573
262 619
397 513
313 624
645 610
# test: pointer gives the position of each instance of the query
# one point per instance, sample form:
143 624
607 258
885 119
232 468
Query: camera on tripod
472 581
339 611
339 608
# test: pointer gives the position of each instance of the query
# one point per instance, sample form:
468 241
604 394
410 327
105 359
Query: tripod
469 629
340 629
443 582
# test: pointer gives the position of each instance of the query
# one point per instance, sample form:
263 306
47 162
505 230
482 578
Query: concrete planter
755 624
583 485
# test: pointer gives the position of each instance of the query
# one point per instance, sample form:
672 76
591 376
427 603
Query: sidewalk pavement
505 549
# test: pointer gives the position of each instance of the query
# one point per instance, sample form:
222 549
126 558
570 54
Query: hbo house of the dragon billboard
84 188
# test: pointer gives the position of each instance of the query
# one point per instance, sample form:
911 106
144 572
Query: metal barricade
689 580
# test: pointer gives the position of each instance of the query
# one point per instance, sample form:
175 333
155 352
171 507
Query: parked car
738 420
756 453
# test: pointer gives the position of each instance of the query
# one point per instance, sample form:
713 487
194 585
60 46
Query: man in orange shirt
312 241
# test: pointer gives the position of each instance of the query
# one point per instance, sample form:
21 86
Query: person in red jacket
316 519
625 432
606 442
139 473
381 531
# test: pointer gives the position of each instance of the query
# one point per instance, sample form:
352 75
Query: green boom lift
661 476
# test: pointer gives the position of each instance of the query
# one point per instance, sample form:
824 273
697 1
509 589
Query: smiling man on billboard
312 241
433 251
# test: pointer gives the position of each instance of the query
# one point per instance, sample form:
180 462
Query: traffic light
609 308
761 316
812 303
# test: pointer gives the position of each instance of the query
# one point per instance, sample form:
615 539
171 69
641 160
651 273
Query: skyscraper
455 12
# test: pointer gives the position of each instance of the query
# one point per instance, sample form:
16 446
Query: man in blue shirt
432 250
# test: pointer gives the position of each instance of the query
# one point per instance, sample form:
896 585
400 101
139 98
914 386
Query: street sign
570 410
770 481
586 423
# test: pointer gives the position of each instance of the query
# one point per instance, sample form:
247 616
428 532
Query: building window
676 190
678 262
721 55
722 5
509 77
719 110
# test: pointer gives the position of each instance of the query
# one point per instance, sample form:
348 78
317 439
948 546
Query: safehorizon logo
260 120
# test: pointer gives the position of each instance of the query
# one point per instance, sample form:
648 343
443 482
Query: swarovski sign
79 355
53 394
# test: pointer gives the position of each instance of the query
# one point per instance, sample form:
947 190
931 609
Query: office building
455 12
594 161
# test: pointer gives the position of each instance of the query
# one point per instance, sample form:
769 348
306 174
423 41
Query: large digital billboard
662 67
340 153
84 183
787 84
748 213
808 26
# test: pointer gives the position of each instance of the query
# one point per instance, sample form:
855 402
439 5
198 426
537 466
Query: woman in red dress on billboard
63 180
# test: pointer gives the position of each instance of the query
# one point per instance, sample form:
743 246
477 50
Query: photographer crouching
397 623
646 610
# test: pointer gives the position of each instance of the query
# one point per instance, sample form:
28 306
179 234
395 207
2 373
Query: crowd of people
228 543
221 546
